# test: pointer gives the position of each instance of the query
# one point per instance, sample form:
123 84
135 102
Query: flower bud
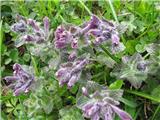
33 24
84 91
46 25
74 43
72 81
72 56
115 39
19 27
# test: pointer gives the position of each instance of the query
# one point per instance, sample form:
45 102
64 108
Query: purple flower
109 114
99 40
28 38
69 73
67 36
100 30
89 110
141 66
115 39
84 91
72 56
102 105
32 31
34 24
20 81
46 25
74 43
19 26
95 32
73 79
62 37
122 114
92 24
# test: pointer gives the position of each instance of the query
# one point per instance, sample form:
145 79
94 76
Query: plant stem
146 55
109 54
35 66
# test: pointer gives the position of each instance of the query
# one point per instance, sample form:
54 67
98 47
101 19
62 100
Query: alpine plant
69 41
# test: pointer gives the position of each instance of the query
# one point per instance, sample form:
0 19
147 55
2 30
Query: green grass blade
35 66
87 9
109 54
156 112
116 18
113 11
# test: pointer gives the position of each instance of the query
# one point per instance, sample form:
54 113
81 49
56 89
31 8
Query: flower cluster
67 40
69 73
30 31
97 29
65 35
101 31
20 81
103 105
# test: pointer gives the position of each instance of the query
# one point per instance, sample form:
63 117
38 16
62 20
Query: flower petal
122 114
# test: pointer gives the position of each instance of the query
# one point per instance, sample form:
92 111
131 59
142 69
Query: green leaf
74 89
144 95
8 104
128 102
140 48
14 54
156 92
14 101
70 113
7 61
116 85
128 71
130 46
26 57
9 110
47 106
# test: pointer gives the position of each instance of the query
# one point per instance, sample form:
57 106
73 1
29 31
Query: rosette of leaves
133 69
